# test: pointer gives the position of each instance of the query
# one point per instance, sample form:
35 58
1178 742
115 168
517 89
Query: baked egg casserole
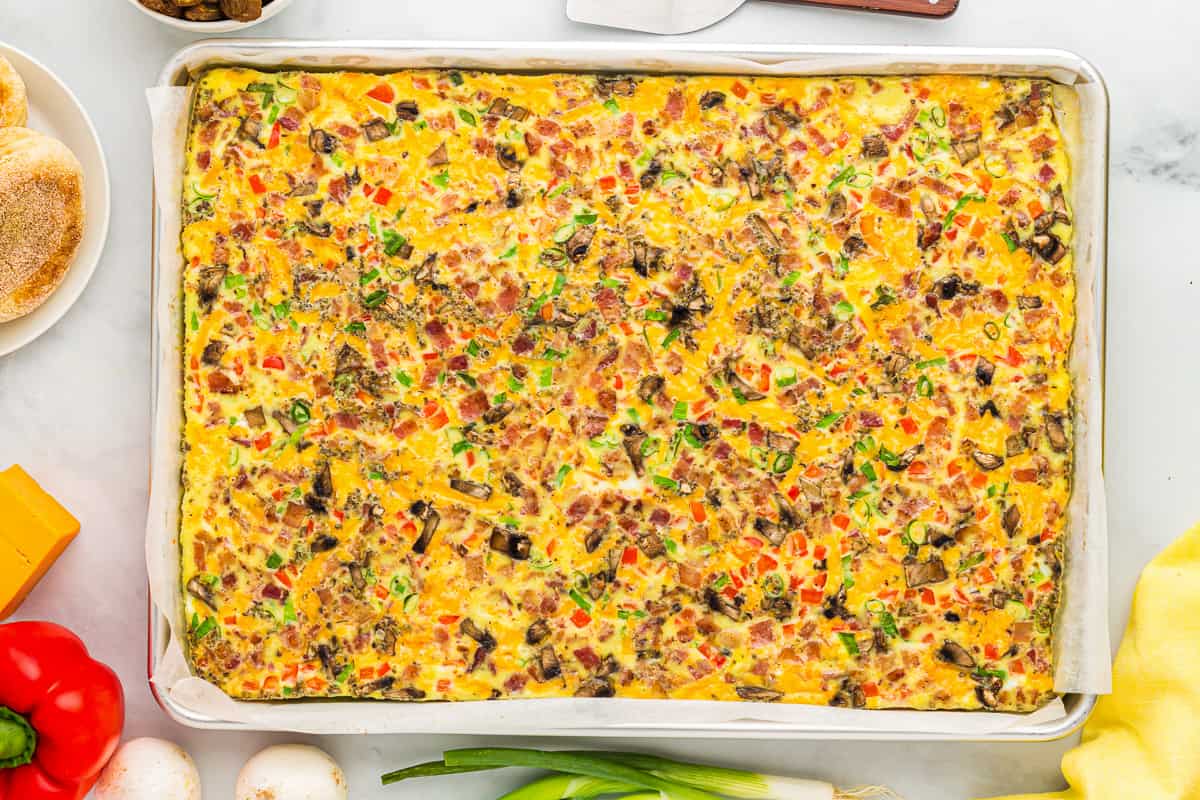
689 387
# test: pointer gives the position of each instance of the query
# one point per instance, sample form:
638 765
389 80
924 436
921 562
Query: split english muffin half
41 218
14 107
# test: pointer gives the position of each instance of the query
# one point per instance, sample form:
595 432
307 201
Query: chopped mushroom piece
905 459
956 655
740 387
1058 205
849 695
438 157
255 417
592 541
649 386
320 142
919 573
1011 521
548 666
721 604
249 131
497 413
1049 247
201 591
407 110
506 155
771 531
212 353
758 694
967 149
874 146
323 482
711 100
429 524
480 491
927 235
768 242
1056 434
651 544
1027 302
537 632
987 461
209 287
595 687
469 628
984 371
513 544
376 130
577 246
634 438
511 483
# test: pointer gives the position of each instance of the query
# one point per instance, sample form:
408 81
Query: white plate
55 111
220 26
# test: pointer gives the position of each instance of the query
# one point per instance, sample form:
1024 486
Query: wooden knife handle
922 8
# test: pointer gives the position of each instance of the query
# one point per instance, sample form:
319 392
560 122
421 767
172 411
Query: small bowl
219 26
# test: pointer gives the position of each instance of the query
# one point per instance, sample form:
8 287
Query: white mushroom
291 772
149 769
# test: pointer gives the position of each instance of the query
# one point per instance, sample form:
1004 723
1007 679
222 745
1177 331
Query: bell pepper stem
17 739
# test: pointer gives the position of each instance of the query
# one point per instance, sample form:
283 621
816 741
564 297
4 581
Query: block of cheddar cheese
34 531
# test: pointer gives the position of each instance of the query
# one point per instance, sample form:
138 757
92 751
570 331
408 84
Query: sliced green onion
403 378
940 361
783 462
849 642
791 278
442 179
868 471
663 482
680 411
375 298
842 176
670 337
575 763
924 386
829 420
561 787
562 187
467 117
728 782
429 769
938 116
564 232
561 475
991 330
274 561
586 217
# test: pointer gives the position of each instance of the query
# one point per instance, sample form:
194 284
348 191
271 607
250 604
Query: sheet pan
1083 647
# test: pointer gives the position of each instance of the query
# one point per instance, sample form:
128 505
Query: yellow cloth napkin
1143 741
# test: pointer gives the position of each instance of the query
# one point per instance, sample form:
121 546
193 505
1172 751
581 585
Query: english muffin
41 218
13 106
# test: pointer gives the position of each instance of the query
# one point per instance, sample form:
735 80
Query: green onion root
867 793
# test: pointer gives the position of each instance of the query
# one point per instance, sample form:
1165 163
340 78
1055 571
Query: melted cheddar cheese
652 386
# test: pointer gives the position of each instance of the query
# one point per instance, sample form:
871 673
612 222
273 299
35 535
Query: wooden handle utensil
921 8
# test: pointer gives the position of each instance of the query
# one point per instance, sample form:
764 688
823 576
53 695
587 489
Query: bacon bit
1046 174
842 521
580 618
382 196
383 93
812 596
273 362
257 185
263 442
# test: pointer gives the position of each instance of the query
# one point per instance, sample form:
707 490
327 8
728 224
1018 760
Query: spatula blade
652 16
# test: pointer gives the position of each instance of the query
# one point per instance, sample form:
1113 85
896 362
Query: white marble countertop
74 406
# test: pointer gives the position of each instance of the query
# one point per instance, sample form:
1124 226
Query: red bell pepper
61 713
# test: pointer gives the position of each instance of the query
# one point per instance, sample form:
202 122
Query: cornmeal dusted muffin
704 387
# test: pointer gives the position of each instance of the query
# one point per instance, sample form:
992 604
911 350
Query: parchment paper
1082 650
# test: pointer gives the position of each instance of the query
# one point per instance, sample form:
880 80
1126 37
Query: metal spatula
683 16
